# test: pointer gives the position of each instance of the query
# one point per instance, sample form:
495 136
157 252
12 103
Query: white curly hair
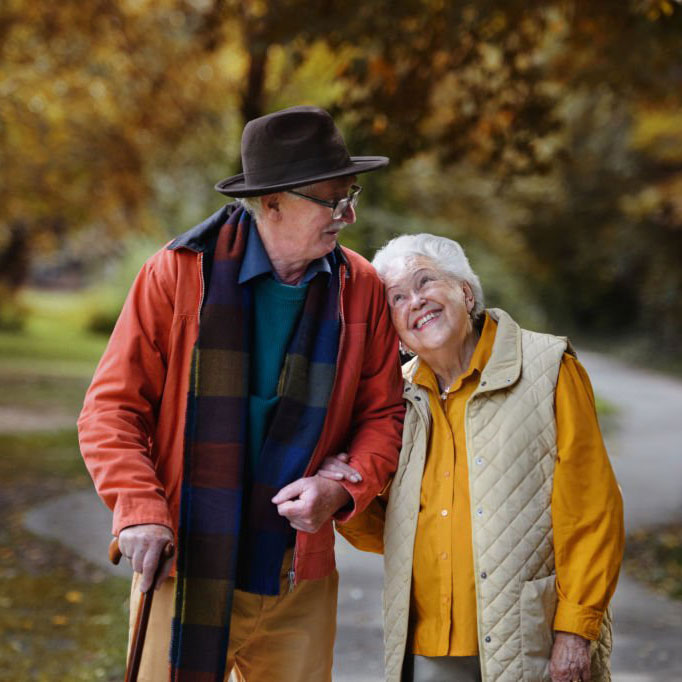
446 255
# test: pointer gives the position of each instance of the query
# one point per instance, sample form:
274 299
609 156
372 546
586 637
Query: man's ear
271 204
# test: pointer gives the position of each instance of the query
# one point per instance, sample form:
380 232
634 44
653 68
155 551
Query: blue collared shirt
257 262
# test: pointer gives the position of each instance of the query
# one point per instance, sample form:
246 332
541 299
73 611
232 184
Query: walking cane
142 620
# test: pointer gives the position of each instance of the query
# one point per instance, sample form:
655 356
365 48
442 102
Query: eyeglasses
339 207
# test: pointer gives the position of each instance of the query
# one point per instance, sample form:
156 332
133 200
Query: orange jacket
131 428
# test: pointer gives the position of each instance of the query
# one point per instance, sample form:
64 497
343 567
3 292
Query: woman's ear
469 299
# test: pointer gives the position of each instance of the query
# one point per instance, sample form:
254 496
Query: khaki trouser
272 639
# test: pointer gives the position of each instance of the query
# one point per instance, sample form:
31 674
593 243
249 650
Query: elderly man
248 350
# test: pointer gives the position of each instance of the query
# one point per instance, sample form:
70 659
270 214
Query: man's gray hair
252 204
446 255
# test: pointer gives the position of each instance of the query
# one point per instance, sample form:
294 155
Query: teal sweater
276 308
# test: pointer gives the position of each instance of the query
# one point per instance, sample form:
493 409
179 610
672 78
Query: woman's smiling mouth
425 319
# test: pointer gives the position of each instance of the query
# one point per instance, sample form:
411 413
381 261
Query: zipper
202 284
292 571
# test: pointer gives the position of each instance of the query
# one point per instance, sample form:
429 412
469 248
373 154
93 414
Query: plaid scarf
215 450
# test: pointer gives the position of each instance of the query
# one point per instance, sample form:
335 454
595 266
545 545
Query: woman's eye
425 280
397 298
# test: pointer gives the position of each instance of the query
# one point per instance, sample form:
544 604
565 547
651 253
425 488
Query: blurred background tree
547 137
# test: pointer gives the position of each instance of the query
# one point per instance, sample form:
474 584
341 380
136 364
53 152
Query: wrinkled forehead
405 269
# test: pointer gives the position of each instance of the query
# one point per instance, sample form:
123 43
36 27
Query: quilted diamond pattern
511 433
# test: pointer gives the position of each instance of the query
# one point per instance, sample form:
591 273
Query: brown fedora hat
291 148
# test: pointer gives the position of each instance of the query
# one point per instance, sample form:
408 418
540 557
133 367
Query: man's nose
349 216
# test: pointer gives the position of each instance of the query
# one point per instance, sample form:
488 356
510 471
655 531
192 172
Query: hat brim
236 185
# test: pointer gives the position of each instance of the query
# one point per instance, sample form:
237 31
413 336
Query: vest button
483 383
484 575
479 461
479 512
487 639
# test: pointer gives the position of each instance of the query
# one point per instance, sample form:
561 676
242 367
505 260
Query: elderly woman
503 527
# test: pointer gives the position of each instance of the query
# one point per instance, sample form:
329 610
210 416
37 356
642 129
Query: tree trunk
14 258
252 102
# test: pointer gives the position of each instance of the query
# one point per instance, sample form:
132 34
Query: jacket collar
502 370
413 393
202 236
504 366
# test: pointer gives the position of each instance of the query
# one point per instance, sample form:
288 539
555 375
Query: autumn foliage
548 134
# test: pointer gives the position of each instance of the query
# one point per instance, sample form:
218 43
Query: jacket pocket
538 604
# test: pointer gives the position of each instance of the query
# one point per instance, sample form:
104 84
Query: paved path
646 451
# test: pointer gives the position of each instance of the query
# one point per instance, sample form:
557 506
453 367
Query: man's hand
309 502
142 545
570 661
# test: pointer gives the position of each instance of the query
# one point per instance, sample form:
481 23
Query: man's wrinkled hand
570 660
143 546
309 502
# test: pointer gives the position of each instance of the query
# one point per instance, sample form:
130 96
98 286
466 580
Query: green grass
60 617
48 364
607 414
53 454
54 339
604 407
55 627
34 387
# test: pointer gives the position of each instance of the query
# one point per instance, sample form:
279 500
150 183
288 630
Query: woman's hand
570 661
337 469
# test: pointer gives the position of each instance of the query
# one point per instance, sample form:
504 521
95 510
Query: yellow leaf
59 619
74 597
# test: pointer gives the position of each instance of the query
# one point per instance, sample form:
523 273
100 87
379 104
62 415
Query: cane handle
114 552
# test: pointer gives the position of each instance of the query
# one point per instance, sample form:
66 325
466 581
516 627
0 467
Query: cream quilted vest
511 449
